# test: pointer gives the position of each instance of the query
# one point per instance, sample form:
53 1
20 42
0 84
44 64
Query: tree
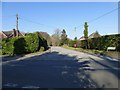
64 39
56 37
86 34
47 37
75 38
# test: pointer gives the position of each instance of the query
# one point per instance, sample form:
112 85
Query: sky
49 16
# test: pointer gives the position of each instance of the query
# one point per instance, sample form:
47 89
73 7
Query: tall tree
86 34
64 39
56 37
75 38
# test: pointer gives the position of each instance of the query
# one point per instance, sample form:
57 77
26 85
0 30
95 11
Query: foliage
56 37
32 42
86 34
42 42
86 30
19 46
47 37
75 41
42 49
101 43
64 39
8 46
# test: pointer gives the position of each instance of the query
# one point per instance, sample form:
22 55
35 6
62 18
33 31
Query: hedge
101 43
72 42
30 43
19 46
8 46
43 41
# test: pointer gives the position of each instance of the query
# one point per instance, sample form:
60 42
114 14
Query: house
10 34
82 38
93 35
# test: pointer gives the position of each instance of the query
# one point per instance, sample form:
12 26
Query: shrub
101 43
19 46
8 46
42 42
42 49
32 42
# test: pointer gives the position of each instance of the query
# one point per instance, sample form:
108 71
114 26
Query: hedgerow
30 43
101 43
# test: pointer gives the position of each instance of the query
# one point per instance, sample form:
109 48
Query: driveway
60 68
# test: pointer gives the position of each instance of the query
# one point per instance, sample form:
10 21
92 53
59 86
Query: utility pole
75 31
17 25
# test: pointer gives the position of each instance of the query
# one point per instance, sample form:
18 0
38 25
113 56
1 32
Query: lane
60 68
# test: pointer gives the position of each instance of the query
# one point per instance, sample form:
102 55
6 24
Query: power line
103 15
8 16
100 16
36 23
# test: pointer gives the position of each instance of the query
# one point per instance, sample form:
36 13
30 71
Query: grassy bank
113 54
85 50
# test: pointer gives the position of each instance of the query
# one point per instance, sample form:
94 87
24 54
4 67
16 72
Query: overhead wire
100 16
48 26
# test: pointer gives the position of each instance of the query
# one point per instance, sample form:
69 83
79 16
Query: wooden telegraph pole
17 25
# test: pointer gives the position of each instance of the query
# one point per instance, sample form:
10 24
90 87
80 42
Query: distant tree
64 39
75 38
46 36
56 37
86 34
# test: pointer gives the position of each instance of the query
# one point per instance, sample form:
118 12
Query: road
60 68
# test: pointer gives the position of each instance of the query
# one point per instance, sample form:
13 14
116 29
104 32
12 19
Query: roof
82 38
12 33
94 35
7 33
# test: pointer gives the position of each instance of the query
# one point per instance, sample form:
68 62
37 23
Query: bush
32 42
72 42
42 42
42 49
8 46
101 43
19 46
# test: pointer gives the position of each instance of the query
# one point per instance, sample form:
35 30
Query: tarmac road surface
60 68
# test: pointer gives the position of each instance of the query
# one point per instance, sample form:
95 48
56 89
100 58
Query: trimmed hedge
72 42
101 43
19 46
30 43
8 46
43 41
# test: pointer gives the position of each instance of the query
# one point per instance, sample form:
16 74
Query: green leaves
101 43
86 30
64 39
30 43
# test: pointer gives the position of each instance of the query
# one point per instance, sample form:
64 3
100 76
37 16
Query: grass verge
91 51
113 54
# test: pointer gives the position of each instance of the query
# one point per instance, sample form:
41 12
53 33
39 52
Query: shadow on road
113 66
11 58
49 70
